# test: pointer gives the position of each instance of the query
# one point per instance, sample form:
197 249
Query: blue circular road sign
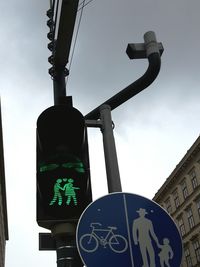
122 229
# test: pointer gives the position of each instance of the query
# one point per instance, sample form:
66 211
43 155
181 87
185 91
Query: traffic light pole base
65 239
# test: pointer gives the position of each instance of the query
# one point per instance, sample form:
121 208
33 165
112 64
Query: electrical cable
54 4
76 36
80 7
56 15
84 4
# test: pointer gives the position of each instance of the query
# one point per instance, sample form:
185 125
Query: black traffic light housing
63 175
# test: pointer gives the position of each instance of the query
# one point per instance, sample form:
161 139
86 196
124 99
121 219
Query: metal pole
112 169
59 85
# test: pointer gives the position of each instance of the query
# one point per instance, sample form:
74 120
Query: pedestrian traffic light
63 176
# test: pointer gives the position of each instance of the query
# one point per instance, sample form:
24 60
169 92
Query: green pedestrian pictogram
70 192
66 191
57 194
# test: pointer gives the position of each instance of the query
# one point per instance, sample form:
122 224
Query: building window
184 189
168 206
190 218
176 198
194 182
188 257
181 226
198 206
193 178
197 250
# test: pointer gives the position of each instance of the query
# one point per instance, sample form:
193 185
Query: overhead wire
76 36
84 4
56 15
80 7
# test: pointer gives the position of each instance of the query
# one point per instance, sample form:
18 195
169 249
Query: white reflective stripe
66 247
128 230
67 258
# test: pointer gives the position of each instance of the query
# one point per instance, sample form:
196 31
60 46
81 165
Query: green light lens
81 170
78 166
48 167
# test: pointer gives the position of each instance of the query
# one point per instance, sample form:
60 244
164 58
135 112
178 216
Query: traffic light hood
61 128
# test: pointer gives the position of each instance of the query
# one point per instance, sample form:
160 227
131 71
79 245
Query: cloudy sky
153 130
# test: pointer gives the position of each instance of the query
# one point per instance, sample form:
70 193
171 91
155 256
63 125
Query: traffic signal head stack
63 177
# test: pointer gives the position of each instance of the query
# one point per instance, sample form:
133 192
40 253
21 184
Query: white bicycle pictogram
99 236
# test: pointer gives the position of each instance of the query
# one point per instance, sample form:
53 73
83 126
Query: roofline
179 168
2 180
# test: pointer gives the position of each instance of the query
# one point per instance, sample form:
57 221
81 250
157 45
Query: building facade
3 206
180 196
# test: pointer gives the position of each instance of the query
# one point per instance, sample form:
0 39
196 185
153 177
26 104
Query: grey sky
153 130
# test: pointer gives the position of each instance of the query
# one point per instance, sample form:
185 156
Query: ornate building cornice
180 168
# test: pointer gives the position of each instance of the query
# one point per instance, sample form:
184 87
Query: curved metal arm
136 87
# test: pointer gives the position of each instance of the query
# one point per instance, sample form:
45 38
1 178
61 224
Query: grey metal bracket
93 123
138 50
144 50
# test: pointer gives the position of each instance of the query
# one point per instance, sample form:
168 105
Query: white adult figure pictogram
143 233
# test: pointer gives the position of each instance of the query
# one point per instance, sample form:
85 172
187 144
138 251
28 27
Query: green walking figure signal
57 194
69 192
